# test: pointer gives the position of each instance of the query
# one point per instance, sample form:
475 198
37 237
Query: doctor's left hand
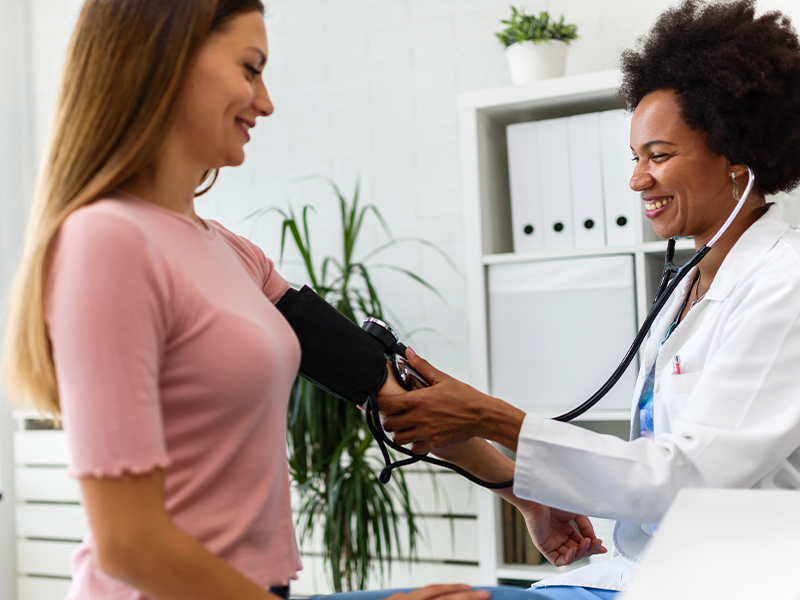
561 536
447 413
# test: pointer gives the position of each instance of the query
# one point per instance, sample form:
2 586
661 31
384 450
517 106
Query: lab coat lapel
653 345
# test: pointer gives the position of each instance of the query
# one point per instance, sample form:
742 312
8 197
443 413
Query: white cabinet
557 329
50 520
510 292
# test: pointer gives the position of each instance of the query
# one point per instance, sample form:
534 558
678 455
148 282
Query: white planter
529 62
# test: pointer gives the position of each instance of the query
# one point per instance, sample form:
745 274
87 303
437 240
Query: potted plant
332 455
536 47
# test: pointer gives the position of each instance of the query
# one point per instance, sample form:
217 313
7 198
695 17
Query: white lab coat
730 420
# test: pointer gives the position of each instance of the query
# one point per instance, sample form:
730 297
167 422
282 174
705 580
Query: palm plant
331 451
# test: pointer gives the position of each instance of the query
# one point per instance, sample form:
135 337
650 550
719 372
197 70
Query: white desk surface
726 545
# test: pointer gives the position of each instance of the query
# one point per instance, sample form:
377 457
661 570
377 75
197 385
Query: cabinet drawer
46 484
35 557
39 588
41 448
51 522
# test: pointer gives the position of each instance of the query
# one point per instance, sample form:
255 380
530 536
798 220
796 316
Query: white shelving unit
51 522
484 116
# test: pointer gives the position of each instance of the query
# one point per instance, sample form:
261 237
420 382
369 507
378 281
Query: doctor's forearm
483 460
500 422
480 458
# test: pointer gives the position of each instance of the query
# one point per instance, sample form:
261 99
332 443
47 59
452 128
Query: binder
586 178
526 196
620 200
555 185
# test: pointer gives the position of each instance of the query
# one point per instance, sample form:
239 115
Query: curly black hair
738 80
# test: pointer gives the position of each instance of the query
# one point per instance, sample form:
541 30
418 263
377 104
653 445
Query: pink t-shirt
169 352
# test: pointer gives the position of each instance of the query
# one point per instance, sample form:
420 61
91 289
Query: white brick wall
369 87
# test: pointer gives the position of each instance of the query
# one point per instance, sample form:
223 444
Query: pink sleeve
108 319
261 268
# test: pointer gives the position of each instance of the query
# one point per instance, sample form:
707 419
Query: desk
726 545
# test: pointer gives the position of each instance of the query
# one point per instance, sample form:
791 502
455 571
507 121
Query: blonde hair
124 73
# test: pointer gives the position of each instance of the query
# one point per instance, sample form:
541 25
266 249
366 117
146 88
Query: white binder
586 178
555 185
526 195
558 329
620 200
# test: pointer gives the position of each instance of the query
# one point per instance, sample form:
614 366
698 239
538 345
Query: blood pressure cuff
338 355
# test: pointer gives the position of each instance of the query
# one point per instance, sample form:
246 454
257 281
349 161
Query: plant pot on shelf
529 61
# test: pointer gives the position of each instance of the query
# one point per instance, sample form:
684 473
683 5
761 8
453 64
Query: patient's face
224 93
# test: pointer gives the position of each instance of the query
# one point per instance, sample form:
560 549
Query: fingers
420 448
393 404
443 592
583 549
571 551
585 526
424 368
597 548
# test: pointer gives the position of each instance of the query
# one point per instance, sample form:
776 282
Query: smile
656 204
245 126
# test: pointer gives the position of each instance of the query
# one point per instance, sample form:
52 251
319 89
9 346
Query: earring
735 186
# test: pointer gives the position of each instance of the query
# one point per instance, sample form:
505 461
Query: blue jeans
505 592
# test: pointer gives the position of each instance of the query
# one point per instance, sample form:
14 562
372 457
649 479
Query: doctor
712 88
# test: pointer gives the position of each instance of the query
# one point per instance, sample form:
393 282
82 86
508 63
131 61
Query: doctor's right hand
446 413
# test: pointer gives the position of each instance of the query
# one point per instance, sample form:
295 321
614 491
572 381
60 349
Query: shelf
484 117
512 104
646 248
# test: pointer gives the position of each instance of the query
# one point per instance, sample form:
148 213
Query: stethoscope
670 280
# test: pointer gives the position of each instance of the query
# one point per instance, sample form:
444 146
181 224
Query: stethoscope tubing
666 288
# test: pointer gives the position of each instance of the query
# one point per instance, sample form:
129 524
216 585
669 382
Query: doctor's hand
447 413
555 536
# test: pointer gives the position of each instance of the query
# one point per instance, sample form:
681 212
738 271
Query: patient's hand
391 386
443 592
555 536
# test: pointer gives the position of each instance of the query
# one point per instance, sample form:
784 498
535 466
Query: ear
739 170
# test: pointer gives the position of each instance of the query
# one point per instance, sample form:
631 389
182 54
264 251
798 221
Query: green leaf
522 27
329 445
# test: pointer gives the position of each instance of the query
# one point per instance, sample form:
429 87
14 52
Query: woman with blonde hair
151 332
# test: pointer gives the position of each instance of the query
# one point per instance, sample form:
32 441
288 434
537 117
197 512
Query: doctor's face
686 188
